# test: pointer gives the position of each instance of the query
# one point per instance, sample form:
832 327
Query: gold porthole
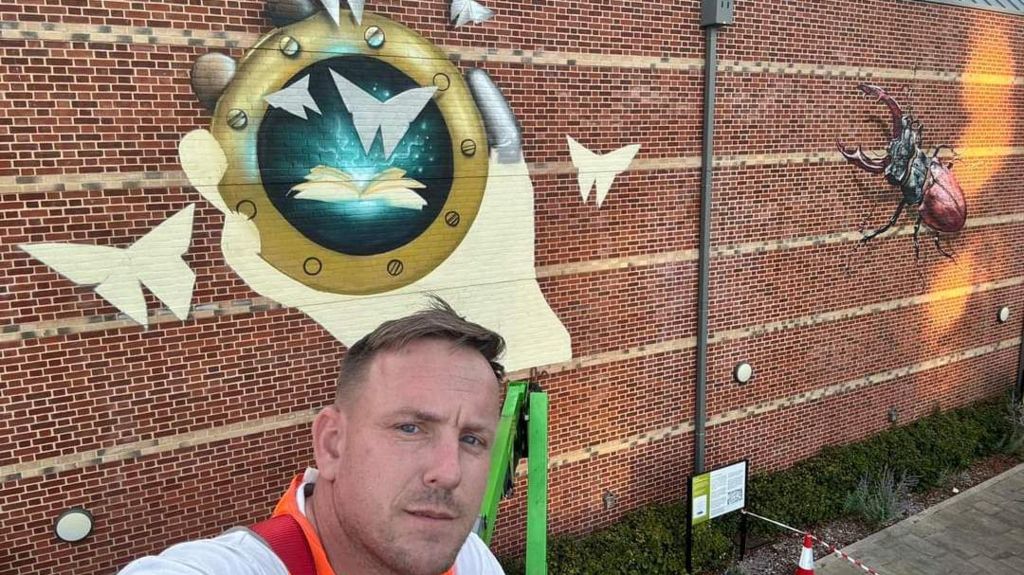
392 211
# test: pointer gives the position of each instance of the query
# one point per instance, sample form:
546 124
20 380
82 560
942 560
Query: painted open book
327 184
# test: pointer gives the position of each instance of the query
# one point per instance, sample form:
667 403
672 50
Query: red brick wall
186 428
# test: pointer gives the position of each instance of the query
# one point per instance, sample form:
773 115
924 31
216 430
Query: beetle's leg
847 268
892 220
941 147
917 255
956 156
938 246
917 243
920 277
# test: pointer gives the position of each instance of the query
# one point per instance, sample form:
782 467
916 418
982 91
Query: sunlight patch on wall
987 98
949 275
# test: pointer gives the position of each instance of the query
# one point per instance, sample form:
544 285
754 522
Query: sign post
711 495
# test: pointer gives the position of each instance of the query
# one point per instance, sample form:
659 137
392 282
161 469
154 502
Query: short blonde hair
437 321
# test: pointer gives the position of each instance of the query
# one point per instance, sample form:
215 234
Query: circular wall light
1004 314
742 372
73 525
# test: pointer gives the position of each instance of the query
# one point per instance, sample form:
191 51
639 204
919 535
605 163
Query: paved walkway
979 531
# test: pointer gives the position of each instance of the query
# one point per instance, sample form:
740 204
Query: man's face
414 455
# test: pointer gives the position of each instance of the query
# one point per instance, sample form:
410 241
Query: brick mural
586 242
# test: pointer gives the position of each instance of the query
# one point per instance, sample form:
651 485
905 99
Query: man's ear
329 428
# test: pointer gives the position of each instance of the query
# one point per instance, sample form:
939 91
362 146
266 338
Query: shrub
651 541
1013 440
815 490
880 500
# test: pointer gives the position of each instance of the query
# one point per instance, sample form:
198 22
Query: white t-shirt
240 552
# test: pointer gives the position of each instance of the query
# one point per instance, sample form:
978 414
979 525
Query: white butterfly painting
294 99
153 261
465 11
599 170
391 118
333 8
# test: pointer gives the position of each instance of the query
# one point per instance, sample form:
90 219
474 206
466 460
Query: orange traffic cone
806 565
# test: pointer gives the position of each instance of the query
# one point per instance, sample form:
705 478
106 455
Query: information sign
718 492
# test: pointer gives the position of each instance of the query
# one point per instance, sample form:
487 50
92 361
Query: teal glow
289 147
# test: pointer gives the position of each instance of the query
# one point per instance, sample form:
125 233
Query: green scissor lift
522 432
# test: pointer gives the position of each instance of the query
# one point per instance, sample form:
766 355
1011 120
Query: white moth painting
153 261
466 11
390 118
333 8
294 99
599 170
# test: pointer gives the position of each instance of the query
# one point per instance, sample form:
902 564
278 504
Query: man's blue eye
408 428
472 440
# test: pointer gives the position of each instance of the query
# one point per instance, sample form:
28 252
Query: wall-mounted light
742 372
894 414
73 525
1004 314
609 499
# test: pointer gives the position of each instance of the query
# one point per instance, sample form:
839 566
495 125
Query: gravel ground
779 556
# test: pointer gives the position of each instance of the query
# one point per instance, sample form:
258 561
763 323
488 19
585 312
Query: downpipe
704 248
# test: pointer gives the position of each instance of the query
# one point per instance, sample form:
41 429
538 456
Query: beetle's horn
860 159
894 106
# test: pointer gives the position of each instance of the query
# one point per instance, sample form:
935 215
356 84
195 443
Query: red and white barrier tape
831 548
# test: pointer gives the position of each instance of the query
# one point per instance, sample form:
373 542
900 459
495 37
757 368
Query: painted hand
475 247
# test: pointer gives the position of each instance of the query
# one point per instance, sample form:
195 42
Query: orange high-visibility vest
288 505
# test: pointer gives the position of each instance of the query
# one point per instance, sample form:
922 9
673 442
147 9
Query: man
402 458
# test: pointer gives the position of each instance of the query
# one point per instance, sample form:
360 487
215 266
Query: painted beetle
925 182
